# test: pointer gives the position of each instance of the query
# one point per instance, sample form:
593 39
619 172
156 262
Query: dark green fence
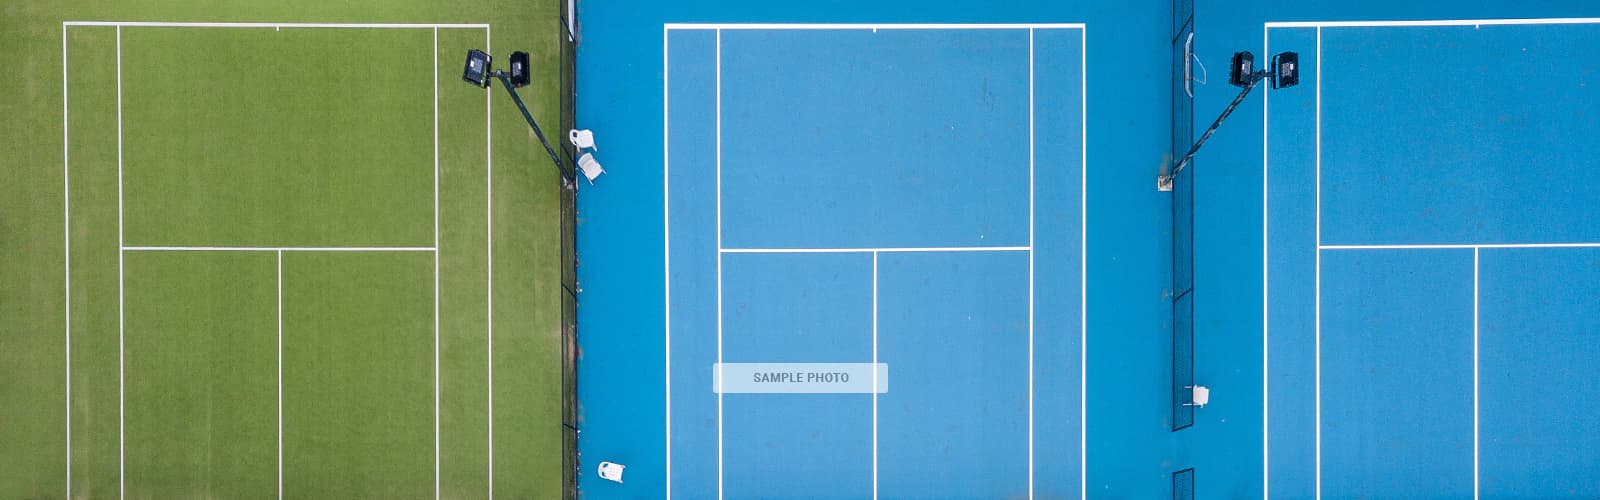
569 260
1182 214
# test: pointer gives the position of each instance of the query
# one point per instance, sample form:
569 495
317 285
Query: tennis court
239 353
1468 375
288 259
837 196
916 253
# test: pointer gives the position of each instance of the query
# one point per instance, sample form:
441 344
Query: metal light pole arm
1164 183
567 179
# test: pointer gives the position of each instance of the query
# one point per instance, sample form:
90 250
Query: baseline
180 24
1434 22
877 250
867 26
137 248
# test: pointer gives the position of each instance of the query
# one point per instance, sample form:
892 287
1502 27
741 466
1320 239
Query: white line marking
1460 246
488 124
1475 268
1439 22
138 248
121 454
1083 263
280 375
436 387
163 24
66 246
861 26
1030 264
719 257
1266 492
1318 293
875 385
666 251
879 250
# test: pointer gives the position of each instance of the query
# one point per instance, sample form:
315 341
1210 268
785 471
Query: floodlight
477 69
1242 71
1286 70
519 69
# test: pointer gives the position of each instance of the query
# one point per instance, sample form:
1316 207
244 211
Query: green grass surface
316 137
268 138
200 342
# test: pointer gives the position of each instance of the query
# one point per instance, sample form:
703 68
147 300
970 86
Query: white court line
436 263
1083 263
280 375
1437 22
263 25
875 385
137 248
719 258
1460 246
1475 268
864 26
121 392
666 251
488 124
1030 265
879 249
66 246
1318 284
1266 491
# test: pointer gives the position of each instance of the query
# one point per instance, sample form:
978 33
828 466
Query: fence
569 260
1182 215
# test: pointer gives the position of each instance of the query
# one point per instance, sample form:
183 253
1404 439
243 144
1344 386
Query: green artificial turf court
278 251
205 144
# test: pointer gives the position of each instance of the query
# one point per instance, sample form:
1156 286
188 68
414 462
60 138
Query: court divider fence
1183 484
571 466
1182 215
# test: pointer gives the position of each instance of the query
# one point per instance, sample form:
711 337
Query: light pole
1284 72
478 72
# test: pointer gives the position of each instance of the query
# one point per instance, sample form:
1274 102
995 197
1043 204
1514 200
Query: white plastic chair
611 471
1199 395
590 167
583 139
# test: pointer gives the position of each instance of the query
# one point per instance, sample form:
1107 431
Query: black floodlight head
1241 72
519 69
477 69
1286 70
